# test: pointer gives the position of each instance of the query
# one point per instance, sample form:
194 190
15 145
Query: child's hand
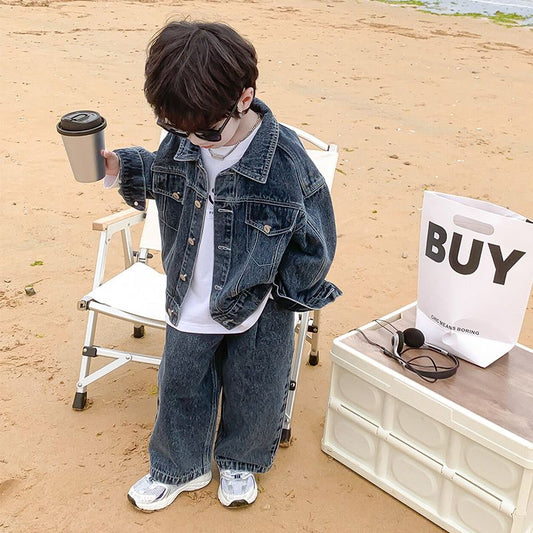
112 163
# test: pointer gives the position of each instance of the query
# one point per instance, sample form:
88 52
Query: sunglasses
211 135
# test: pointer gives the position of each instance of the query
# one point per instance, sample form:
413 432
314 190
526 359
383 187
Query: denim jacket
274 228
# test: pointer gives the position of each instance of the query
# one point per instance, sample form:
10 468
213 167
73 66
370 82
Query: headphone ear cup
414 338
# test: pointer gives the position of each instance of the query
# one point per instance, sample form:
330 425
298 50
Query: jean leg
255 382
182 440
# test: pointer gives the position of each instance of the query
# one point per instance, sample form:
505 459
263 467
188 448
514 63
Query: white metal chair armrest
312 139
118 220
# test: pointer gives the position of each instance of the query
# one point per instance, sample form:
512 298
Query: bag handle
473 225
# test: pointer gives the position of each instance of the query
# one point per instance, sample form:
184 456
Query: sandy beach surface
414 101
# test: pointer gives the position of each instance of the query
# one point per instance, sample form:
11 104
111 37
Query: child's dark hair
195 72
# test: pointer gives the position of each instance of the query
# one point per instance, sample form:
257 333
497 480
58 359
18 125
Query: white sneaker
151 495
237 488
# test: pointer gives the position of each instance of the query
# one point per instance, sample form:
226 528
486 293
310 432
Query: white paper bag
475 274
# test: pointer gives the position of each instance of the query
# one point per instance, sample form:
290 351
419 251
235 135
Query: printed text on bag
437 236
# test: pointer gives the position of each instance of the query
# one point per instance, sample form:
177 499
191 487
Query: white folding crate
458 451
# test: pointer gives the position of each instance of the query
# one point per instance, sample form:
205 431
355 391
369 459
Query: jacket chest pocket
268 231
169 191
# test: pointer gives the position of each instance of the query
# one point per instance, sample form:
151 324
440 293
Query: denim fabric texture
253 369
274 224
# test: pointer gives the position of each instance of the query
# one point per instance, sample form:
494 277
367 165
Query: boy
248 235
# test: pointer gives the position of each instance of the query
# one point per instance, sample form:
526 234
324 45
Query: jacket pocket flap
171 185
270 219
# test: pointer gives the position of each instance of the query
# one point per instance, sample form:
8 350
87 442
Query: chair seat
139 290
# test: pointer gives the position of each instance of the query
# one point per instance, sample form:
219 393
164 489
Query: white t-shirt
195 316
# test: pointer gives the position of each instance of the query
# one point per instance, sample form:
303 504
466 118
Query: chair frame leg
295 372
80 398
138 331
314 355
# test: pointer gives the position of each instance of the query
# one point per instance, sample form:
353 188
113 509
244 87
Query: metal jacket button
190 240
176 195
198 204
267 228
183 277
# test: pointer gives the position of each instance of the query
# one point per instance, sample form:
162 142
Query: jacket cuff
326 294
132 186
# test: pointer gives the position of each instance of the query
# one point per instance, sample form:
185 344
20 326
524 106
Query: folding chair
146 307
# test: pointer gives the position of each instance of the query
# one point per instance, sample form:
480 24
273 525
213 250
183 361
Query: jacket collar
255 163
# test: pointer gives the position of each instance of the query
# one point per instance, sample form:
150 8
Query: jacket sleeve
300 283
135 177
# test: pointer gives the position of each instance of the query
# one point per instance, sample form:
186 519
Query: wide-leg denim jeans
252 369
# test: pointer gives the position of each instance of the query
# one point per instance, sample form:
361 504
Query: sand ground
414 101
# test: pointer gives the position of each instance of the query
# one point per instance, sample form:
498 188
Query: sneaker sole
238 503
195 484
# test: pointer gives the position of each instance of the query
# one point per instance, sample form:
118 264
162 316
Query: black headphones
414 339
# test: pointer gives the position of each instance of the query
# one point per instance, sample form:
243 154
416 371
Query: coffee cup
83 136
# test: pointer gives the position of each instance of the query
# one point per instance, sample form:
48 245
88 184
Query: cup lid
78 121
